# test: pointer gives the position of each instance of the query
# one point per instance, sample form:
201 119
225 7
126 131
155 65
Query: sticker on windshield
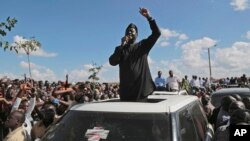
96 134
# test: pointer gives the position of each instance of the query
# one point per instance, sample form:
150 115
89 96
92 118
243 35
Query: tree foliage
4 28
95 70
28 45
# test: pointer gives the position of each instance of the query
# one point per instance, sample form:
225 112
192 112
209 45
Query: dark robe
135 78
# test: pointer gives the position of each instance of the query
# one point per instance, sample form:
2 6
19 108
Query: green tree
28 45
4 28
94 71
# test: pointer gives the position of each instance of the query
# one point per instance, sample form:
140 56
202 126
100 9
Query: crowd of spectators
233 109
35 105
174 83
42 102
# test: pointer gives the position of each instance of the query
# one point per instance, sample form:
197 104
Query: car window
83 126
218 95
186 126
216 99
199 120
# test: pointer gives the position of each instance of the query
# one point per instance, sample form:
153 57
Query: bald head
15 120
236 105
240 117
171 73
226 101
20 116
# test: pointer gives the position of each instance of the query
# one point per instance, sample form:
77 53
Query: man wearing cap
135 78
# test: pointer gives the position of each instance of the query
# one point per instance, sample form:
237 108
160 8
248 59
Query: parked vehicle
219 94
162 118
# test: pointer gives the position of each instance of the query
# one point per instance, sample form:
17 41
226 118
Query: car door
185 127
192 124
203 128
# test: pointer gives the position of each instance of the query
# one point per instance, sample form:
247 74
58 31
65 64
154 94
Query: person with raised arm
132 57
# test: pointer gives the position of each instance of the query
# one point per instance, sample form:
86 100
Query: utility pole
209 61
210 72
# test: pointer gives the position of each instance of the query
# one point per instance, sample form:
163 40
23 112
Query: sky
76 34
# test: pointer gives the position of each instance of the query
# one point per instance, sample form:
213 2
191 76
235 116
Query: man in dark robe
135 78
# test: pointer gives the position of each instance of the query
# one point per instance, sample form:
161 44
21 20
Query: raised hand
145 12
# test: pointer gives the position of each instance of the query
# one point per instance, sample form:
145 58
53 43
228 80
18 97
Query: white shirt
195 83
28 117
173 82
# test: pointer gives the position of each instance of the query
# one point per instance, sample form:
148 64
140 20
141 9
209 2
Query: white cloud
240 5
150 60
24 64
230 61
248 35
43 74
39 52
79 75
192 52
108 73
39 72
226 62
183 37
234 58
10 75
164 43
193 61
167 35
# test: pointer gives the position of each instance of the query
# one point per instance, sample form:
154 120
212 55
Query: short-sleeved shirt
173 83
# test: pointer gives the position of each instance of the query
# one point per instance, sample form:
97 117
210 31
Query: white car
181 92
162 118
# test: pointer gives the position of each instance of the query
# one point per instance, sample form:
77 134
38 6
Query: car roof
183 92
158 104
232 91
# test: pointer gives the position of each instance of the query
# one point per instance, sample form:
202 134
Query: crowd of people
233 109
35 105
173 83
29 107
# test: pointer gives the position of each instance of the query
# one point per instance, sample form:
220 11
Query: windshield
216 98
101 126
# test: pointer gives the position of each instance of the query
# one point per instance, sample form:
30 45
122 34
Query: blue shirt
160 82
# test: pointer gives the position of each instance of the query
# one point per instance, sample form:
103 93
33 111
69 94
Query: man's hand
51 98
32 92
144 12
124 40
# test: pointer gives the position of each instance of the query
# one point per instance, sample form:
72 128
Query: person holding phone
132 57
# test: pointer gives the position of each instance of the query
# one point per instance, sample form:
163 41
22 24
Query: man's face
132 34
159 73
24 106
11 121
171 73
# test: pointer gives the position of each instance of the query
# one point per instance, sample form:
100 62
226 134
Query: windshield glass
84 126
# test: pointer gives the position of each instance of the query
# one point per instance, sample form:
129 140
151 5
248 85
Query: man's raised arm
151 40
